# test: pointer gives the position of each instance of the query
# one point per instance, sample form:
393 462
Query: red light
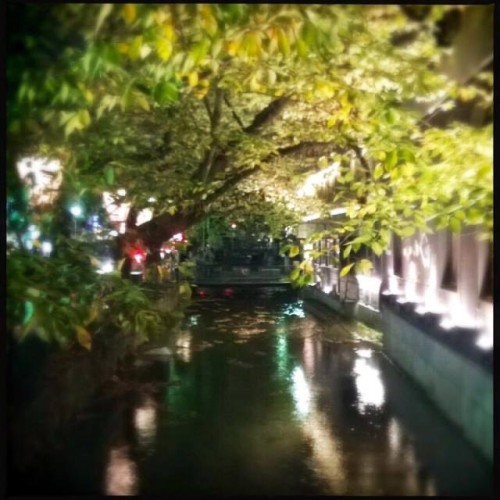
202 293
228 292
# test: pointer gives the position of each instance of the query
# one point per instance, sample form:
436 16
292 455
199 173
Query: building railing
221 273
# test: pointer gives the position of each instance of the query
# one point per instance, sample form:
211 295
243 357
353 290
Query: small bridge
213 275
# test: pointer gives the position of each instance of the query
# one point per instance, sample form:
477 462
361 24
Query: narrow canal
263 398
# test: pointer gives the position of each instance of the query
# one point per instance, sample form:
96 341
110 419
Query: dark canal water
261 398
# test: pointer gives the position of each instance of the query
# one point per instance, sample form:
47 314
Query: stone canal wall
460 387
455 375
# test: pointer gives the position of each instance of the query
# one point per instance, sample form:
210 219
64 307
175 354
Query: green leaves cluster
64 301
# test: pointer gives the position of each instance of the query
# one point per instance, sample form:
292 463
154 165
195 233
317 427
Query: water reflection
121 473
326 457
282 355
369 385
295 309
184 345
287 412
301 392
145 417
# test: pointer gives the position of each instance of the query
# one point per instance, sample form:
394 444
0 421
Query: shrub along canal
261 397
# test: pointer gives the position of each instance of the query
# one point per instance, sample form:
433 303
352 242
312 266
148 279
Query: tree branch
310 148
233 112
267 114
360 157
231 182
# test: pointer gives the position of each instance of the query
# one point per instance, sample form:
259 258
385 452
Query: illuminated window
397 253
449 281
487 288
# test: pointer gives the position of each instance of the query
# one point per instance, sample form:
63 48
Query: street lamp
76 212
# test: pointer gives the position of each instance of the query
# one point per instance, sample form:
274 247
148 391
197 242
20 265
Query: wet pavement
261 398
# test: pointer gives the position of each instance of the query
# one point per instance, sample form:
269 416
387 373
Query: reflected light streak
282 354
308 354
121 473
300 392
184 346
296 309
368 385
364 353
394 432
326 452
145 422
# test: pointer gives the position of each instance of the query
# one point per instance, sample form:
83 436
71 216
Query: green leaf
391 159
74 123
283 42
166 93
295 274
142 102
347 251
363 266
405 232
33 292
109 174
29 309
129 13
331 121
391 116
345 270
377 248
378 171
185 290
455 225
294 251
83 337
104 12
135 48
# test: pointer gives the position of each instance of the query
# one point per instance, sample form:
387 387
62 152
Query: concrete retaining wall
462 389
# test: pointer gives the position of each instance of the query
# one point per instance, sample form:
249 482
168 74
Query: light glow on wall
317 180
393 285
145 215
485 341
369 283
411 283
117 212
43 178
